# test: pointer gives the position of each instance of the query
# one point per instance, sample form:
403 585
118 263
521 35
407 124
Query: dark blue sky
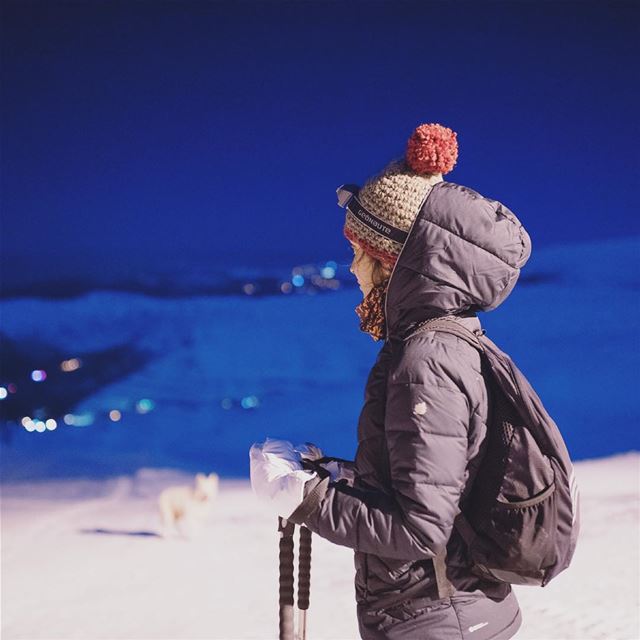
222 130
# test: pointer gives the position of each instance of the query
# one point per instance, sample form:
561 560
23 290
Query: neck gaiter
371 311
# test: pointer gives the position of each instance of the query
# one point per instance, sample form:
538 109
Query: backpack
520 518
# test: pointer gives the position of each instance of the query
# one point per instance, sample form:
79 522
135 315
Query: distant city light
71 364
248 402
81 420
38 375
144 405
309 278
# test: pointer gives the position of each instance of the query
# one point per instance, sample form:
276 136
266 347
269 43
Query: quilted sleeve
426 423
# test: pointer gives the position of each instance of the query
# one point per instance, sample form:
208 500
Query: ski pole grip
304 568
286 530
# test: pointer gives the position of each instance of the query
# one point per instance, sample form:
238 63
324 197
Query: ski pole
304 580
286 530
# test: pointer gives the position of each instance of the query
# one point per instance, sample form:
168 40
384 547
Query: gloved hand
337 468
309 450
277 475
340 471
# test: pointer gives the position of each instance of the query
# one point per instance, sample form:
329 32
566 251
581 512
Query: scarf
371 312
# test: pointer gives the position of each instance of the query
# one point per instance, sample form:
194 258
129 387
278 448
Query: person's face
362 268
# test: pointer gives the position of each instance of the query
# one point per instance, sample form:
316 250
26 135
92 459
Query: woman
423 248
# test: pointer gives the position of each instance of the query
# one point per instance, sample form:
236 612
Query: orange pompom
432 148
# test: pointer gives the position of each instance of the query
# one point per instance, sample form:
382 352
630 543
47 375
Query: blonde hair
379 271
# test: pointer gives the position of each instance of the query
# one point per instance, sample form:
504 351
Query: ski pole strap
286 530
316 465
332 459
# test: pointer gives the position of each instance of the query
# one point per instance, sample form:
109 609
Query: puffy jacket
422 428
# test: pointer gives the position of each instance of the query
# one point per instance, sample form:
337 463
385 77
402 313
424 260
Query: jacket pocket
394 567
525 529
409 610
385 573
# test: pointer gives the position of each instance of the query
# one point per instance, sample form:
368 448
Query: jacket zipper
395 264
366 574
386 340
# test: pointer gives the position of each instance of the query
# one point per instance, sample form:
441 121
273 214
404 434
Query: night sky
220 131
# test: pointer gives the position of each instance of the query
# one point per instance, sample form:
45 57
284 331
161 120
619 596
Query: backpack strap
465 529
449 324
445 587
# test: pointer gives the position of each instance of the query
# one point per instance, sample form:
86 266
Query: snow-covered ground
80 561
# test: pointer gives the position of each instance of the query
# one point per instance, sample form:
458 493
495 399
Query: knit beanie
381 213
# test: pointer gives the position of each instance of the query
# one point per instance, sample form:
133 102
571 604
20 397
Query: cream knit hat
380 214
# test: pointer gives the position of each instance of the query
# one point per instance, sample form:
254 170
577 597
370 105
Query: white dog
187 508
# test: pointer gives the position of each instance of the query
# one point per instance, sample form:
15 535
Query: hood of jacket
463 254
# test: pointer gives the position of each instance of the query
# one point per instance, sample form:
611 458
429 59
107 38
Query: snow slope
80 561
